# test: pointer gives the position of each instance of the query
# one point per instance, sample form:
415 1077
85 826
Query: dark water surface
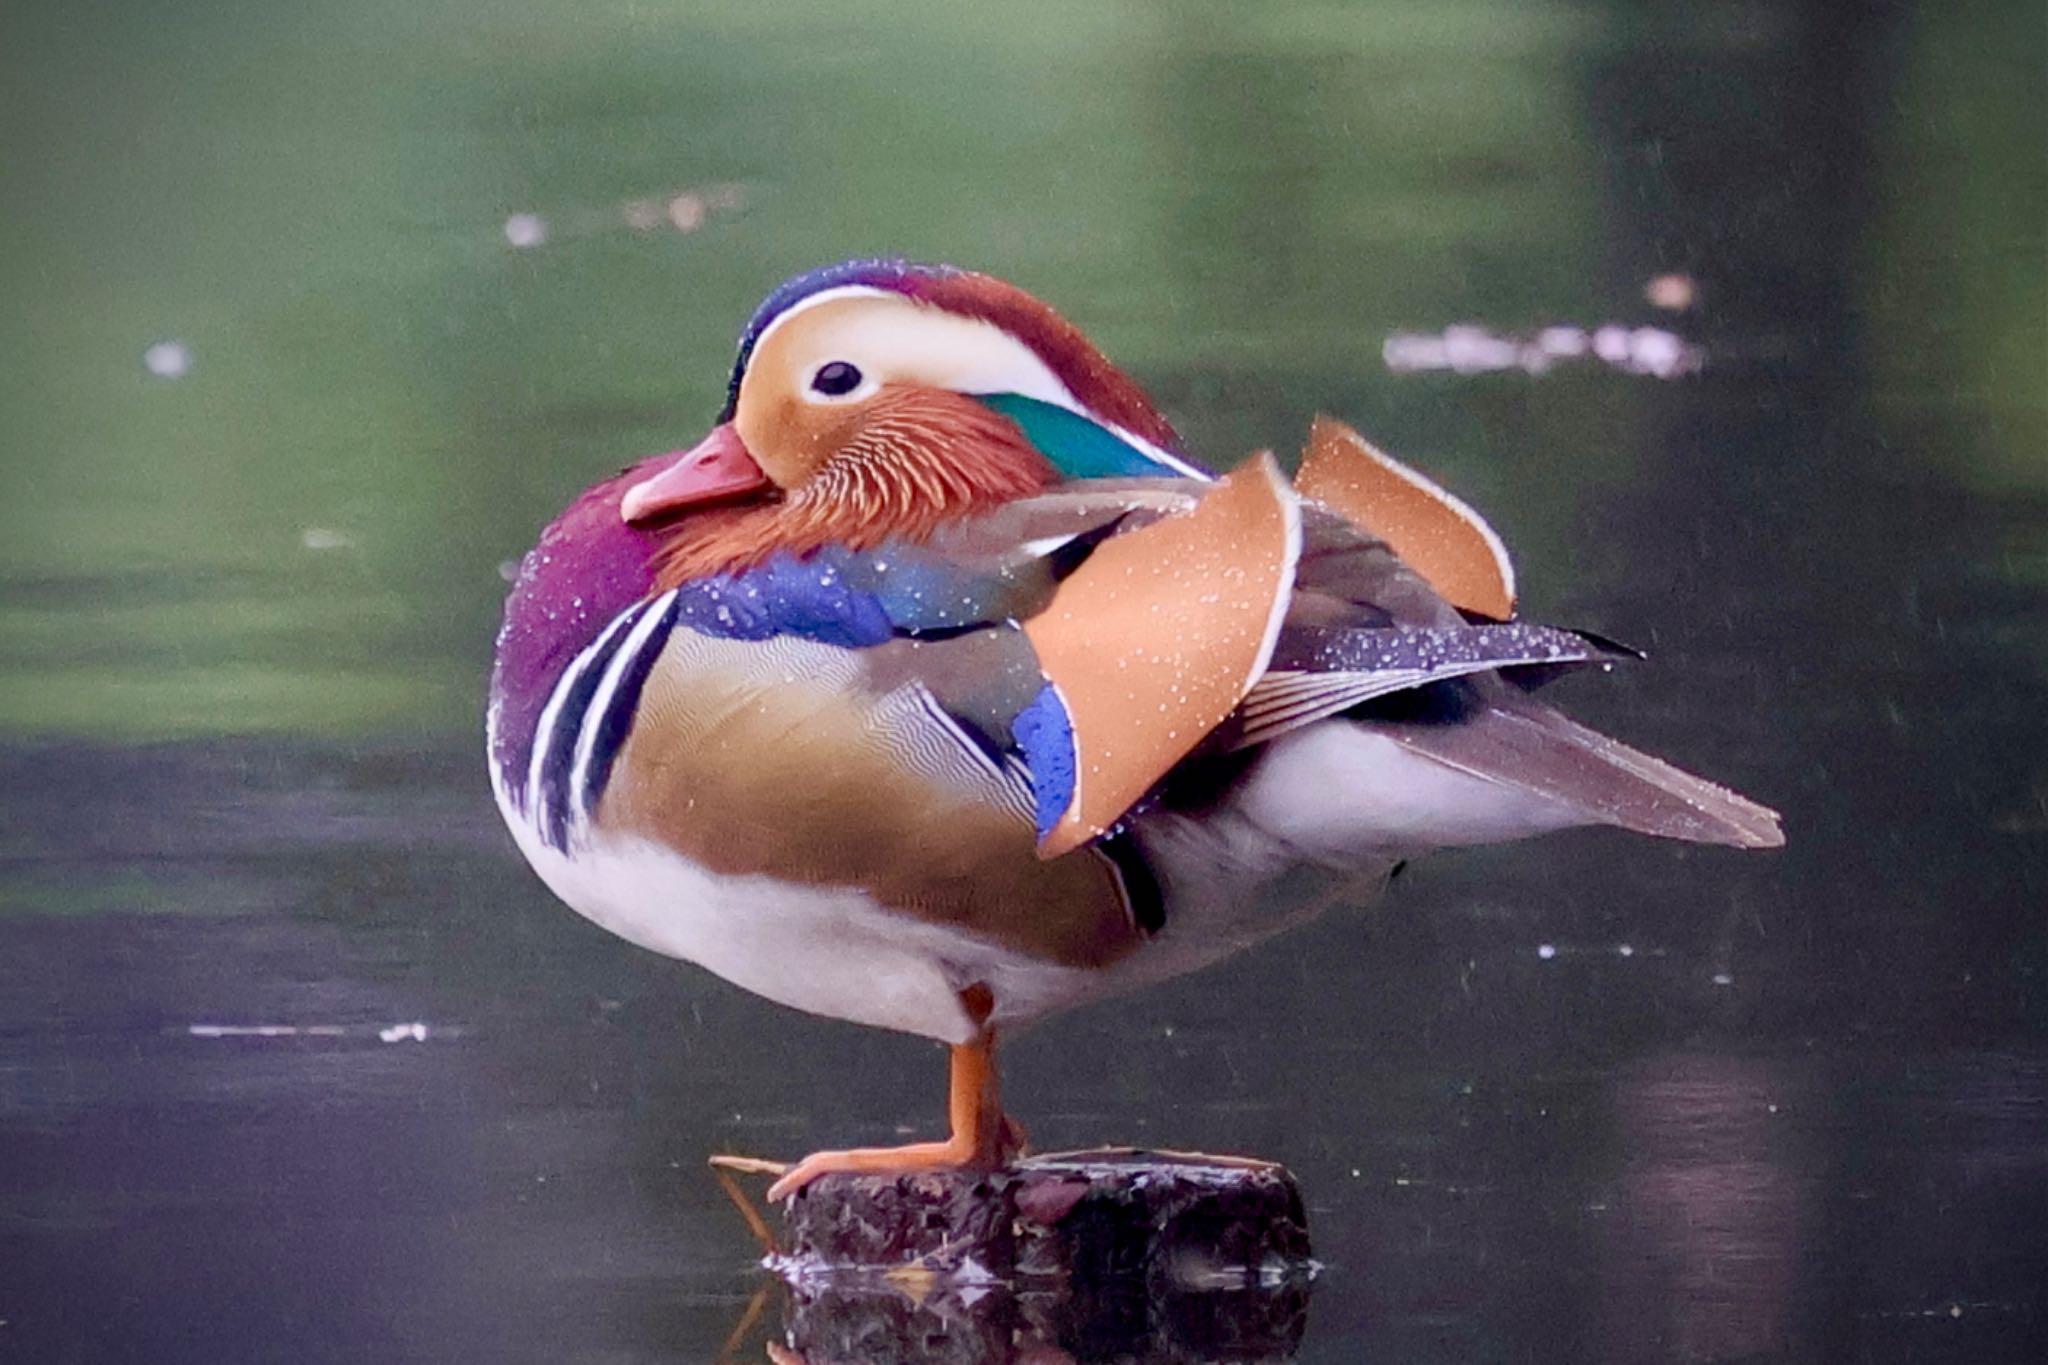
298 1063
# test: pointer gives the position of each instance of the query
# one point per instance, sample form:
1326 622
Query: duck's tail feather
1516 744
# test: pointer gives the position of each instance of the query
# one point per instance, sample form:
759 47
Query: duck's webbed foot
983 1136
918 1156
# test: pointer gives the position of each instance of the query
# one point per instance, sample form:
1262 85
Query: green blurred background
1238 200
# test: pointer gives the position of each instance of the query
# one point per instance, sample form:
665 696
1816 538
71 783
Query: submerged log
1106 1254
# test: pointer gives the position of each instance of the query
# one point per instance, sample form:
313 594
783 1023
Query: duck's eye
834 378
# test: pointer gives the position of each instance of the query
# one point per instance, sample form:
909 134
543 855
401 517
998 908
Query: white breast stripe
544 730
601 701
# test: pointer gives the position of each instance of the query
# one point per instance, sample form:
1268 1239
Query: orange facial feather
897 468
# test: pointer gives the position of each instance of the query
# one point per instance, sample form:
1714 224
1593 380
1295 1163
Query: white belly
827 950
1318 819
1231 878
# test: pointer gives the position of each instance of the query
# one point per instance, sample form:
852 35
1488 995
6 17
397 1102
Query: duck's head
879 398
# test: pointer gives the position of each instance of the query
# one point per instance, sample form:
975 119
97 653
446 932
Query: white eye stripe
931 345
823 296
920 343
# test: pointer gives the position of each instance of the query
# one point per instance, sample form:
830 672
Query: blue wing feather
857 599
1044 735
809 598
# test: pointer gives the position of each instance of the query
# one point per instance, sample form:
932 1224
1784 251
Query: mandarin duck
938 689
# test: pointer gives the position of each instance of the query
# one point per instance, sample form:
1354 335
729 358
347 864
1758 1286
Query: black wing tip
1609 648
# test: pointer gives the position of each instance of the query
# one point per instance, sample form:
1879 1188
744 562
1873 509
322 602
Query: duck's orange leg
983 1138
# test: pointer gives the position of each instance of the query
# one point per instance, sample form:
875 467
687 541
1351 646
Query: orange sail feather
1156 638
1436 534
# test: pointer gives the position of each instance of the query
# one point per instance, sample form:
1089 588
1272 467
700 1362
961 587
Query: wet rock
1098 1255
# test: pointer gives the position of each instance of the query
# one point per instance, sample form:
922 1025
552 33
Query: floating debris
325 538
268 1031
1673 292
687 212
1551 951
684 210
526 230
1950 1310
413 1032
1467 348
167 359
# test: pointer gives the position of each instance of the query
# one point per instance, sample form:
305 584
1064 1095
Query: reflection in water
1107 1255
909 1321
1703 1250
